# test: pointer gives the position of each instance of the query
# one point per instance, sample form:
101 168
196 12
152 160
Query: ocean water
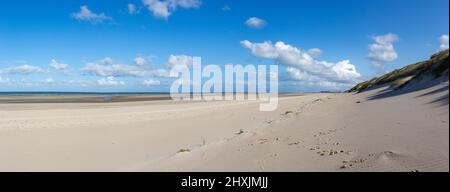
79 97
82 93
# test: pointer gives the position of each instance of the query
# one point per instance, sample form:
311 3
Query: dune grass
437 65
183 151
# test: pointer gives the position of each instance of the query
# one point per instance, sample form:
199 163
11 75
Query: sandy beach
311 132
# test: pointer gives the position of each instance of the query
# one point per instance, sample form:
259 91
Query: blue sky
103 45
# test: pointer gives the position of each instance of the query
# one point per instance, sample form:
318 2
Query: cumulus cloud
302 66
109 81
174 62
315 52
164 8
109 70
87 15
320 85
22 70
345 71
48 80
160 73
132 9
255 22
118 70
383 51
140 61
159 9
444 42
80 82
106 61
187 4
265 49
151 83
180 62
65 68
29 82
107 67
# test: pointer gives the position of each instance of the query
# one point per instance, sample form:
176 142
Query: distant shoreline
89 97
80 93
117 93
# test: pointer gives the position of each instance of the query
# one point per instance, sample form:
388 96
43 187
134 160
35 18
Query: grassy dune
436 66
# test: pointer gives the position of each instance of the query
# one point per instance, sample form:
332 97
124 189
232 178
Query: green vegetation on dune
437 65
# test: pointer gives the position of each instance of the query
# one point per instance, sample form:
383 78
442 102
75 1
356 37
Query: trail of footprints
326 147
324 143
289 114
324 139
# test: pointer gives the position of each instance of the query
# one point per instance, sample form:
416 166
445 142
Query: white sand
321 132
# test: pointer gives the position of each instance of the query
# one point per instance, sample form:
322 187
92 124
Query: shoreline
93 98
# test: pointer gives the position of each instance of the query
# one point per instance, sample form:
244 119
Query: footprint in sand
262 141
324 140
371 160
295 143
330 152
287 113
269 122
393 161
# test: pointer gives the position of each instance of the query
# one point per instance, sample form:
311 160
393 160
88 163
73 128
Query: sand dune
312 132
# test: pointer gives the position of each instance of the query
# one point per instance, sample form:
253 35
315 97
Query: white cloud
132 9
151 82
315 52
80 82
386 39
345 70
444 42
49 80
108 68
320 85
30 82
160 73
118 70
87 15
106 61
255 22
302 66
175 62
140 61
22 70
164 8
159 9
65 68
180 62
187 4
265 49
300 75
109 81
383 51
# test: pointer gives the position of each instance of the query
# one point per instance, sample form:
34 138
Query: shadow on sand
392 92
